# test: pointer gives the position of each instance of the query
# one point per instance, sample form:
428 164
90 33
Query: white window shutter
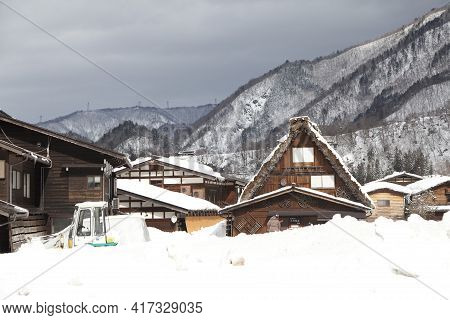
316 182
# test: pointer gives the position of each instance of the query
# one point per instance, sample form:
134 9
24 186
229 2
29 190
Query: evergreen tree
420 163
370 176
360 173
398 160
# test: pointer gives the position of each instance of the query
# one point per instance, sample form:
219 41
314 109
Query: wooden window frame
387 203
89 184
2 169
26 185
321 182
301 150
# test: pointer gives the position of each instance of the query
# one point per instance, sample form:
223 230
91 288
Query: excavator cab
90 225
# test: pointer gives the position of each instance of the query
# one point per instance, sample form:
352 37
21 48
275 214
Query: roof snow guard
10 210
298 125
27 154
119 158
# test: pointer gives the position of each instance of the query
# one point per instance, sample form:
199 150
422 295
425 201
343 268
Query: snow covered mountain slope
431 134
95 123
399 75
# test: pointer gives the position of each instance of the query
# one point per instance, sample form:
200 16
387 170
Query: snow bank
127 229
218 230
343 259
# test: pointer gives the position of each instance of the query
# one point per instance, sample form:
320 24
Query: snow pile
344 259
127 229
218 230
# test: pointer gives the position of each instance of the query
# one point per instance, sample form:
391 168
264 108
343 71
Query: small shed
389 199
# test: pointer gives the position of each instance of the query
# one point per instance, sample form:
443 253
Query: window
2 169
16 178
27 185
94 182
322 182
185 190
84 223
198 193
302 155
98 222
383 203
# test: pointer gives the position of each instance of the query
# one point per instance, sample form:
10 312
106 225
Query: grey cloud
187 52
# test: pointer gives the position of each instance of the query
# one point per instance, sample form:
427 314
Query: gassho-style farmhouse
303 181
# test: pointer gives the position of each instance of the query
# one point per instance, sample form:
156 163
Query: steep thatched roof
297 126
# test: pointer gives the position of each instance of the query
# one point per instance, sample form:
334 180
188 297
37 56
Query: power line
84 57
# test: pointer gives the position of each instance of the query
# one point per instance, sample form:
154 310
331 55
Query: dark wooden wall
224 193
316 211
300 173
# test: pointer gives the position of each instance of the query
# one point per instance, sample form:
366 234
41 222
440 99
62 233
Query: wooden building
47 173
389 199
401 178
185 175
303 180
164 209
439 187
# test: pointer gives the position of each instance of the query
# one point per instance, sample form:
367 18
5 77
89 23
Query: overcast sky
186 52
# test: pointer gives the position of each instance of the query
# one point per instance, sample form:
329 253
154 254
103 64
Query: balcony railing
305 170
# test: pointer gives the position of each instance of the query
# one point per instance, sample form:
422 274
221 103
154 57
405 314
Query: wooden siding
317 211
300 173
58 197
21 230
218 193
442 194
395 211
162 224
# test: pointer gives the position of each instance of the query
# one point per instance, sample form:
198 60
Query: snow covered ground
287 274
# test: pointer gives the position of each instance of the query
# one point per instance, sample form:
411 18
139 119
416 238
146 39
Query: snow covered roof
301 190
427 183
175 200
381 185
8 209
443 208
298 125
187 162
398 174
184 162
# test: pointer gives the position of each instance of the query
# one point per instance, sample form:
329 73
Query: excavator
92 225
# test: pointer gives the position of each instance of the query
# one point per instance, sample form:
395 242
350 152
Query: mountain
387 96
138 141
400 75
93 124
429 135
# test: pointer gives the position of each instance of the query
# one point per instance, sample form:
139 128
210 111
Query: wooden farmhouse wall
388 204
288 172
312 211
